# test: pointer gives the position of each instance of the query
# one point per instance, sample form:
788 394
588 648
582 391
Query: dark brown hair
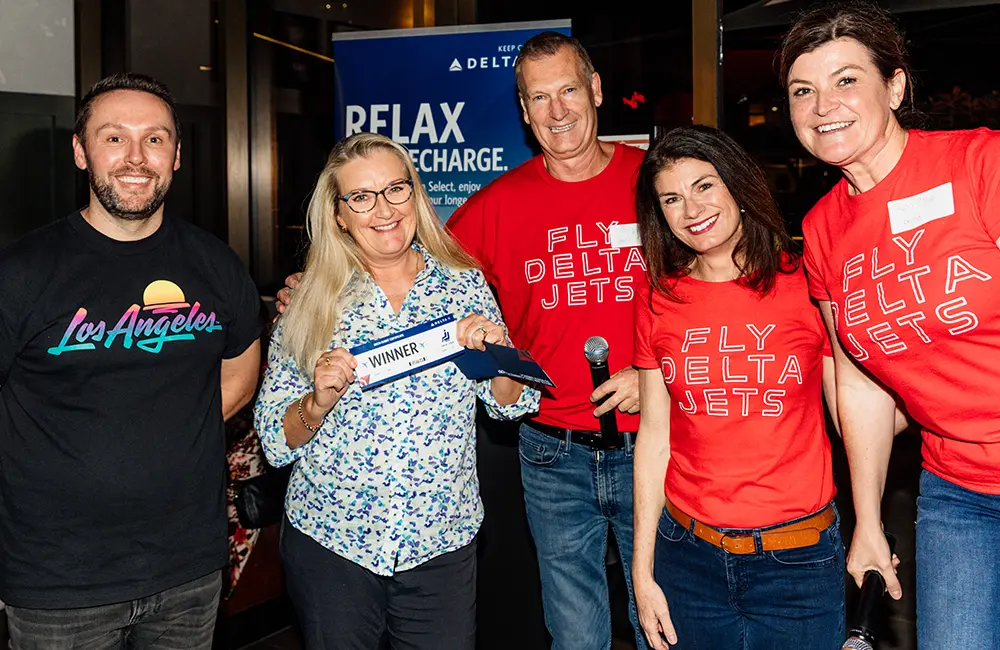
764 248
124 81
864 22
548 44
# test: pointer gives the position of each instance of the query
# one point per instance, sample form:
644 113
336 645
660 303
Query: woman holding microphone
902 255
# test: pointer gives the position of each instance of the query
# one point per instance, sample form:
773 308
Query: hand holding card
475 331
436 341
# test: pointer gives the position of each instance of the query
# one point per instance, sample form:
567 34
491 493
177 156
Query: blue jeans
958 567
182 617
768 600
572 494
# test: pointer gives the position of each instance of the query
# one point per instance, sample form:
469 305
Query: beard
123 206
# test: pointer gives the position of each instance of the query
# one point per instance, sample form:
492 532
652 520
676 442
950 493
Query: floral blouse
389 481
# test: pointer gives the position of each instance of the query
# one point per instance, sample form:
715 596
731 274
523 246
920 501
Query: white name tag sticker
624 235
406 352
919 209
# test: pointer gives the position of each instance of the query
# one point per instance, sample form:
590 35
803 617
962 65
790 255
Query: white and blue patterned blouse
389 481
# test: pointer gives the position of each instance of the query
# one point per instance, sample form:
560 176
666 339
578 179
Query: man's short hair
547 44
124 81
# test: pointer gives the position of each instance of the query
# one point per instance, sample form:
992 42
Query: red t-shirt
748 443
910 268
565 259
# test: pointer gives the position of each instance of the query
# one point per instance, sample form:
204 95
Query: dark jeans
769 600
342 606
181 617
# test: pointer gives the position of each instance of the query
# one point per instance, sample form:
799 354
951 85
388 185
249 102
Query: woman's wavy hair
334 258
764 248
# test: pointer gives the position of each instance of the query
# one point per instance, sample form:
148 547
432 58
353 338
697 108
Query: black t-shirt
112 449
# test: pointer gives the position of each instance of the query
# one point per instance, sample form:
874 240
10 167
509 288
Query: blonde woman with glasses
383 505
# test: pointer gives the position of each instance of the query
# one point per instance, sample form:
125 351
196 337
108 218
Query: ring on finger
483 330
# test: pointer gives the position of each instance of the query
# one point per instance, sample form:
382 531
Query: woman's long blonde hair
312 317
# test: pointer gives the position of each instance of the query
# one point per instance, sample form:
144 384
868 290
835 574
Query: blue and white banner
448 94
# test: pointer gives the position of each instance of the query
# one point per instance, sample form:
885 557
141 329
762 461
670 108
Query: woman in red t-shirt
732 358
903 256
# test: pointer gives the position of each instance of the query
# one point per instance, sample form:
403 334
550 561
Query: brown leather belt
798 535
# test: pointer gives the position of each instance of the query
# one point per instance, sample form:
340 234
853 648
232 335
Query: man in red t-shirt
557 239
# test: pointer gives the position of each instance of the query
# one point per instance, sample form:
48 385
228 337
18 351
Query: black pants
342 606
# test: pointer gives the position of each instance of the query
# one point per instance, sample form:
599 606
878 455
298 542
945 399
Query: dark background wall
36 114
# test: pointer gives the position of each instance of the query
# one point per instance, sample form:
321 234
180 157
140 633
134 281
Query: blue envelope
501 361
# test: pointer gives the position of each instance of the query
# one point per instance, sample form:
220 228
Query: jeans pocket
538 449
669 529
823 553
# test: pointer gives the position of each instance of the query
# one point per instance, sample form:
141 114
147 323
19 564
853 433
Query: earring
342 227
742 211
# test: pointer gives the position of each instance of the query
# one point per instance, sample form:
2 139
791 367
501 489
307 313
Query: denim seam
610 636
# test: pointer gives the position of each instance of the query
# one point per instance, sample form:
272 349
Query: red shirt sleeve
826 349
643 356
814 271
471 226
983 162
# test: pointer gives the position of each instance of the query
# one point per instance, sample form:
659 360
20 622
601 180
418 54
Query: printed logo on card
915 211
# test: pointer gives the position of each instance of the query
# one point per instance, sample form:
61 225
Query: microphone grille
857 643
596 349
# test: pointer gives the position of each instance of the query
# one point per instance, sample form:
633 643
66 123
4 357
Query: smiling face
841 106
385 232
698 207
560 103
130 153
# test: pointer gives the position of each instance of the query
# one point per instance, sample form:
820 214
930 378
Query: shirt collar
431 264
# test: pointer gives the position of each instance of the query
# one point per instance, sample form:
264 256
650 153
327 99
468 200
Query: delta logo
503 58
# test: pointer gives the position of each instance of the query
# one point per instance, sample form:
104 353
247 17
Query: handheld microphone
862 634
596 350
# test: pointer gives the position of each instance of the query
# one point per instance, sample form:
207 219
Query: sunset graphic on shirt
163 296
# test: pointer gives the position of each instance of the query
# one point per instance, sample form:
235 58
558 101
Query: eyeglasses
364 201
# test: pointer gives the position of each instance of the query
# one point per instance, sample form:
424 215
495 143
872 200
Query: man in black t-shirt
116 325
